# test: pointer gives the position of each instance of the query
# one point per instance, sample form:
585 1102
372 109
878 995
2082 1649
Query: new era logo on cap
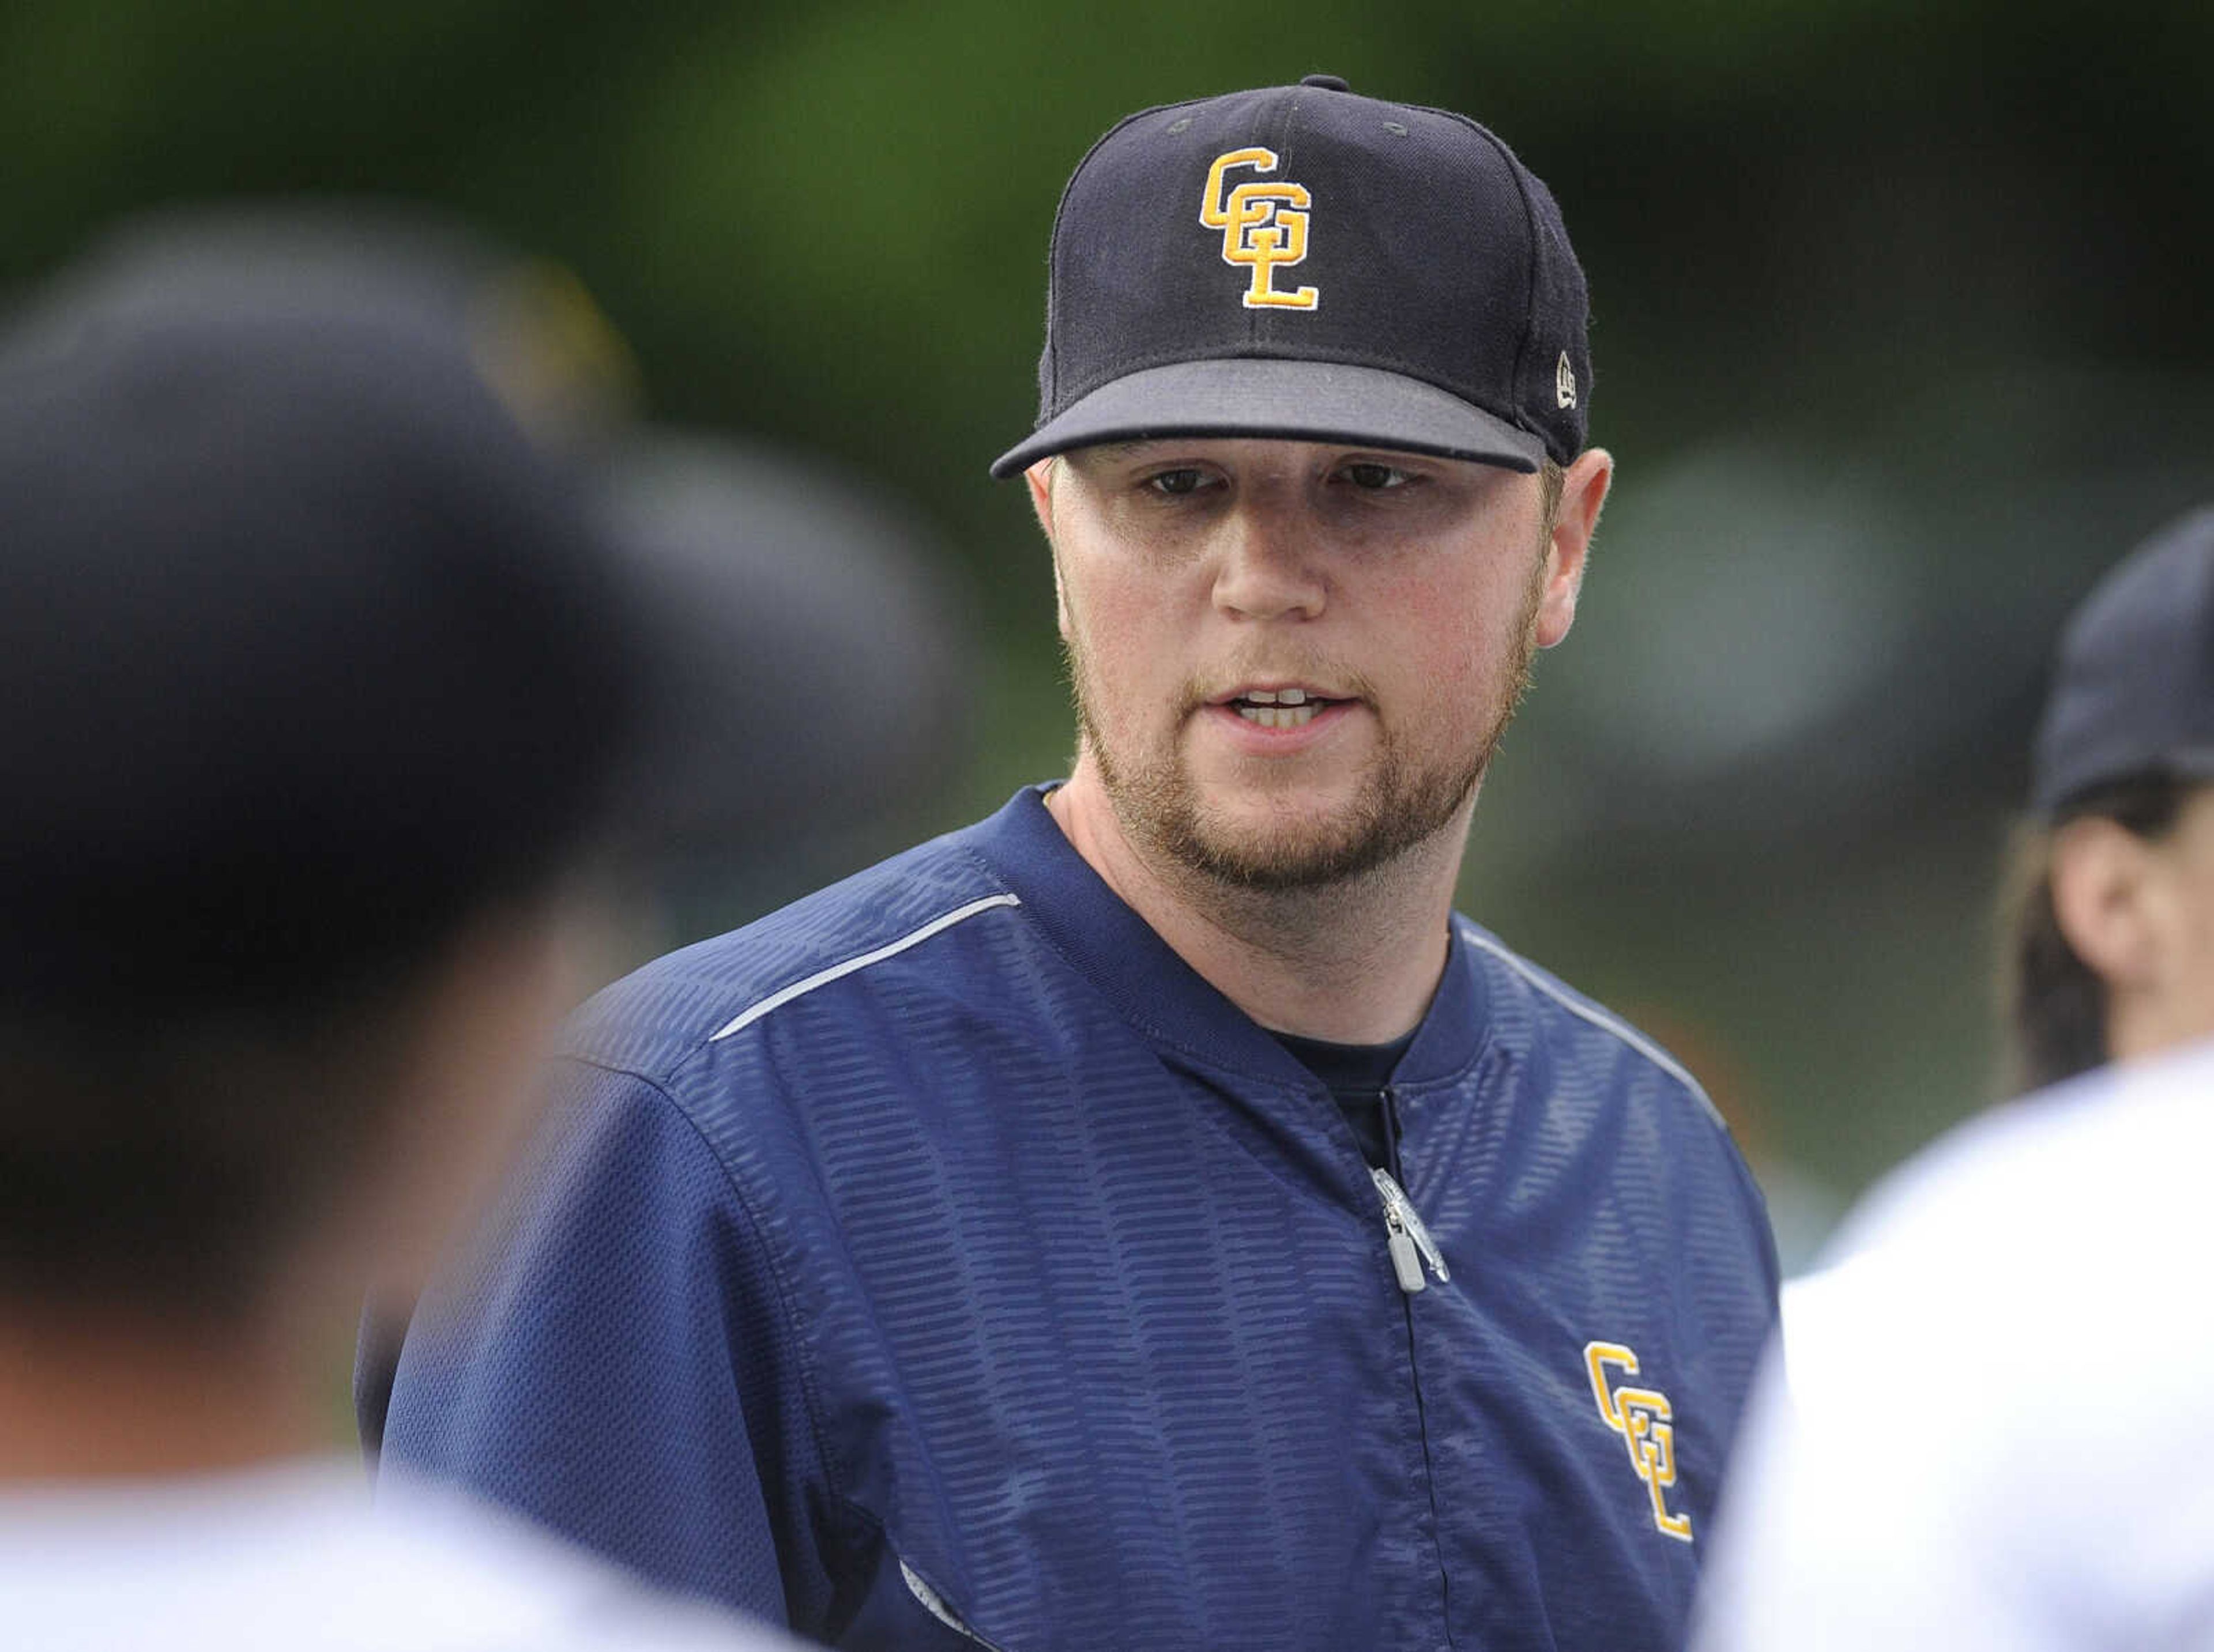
1406 283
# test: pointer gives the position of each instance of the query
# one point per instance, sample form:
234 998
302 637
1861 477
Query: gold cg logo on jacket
1263 225
1643 1418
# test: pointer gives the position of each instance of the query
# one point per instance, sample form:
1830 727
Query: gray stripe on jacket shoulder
800 989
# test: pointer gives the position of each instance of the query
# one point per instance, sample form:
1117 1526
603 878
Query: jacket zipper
1409 1242
1411 1246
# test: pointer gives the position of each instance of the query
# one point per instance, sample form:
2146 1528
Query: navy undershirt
1355 1074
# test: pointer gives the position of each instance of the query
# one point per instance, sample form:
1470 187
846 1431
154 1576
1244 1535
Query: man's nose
1268 564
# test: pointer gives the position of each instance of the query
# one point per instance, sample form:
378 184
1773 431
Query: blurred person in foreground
1150 1217
314 677
1988 1436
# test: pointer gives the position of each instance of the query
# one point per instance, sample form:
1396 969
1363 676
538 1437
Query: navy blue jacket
941 1259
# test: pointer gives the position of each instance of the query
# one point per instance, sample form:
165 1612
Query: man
1983 1441
315 678
1149 1217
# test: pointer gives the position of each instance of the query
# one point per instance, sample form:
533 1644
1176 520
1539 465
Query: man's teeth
1276 708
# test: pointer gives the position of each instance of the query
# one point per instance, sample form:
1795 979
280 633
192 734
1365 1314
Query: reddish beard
1399 803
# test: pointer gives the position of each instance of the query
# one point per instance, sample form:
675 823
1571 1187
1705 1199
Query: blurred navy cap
766 580
1302 262
339 575
306 651
811 675
526 326
2133 682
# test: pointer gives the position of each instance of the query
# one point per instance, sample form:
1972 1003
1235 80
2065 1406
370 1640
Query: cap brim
2104 763
1294 402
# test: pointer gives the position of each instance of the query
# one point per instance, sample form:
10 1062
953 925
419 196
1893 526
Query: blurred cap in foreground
773 737
807 671
526 326
337 582
2133 685
306 649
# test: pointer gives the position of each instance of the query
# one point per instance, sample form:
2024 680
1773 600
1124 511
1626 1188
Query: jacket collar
1153 987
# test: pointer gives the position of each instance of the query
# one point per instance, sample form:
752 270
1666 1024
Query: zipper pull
1405 1262
1409 1242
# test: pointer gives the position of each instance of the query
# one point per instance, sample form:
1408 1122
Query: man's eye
1375 478
1177 483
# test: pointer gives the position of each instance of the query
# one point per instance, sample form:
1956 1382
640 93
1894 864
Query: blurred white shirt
1995 1429
297 1558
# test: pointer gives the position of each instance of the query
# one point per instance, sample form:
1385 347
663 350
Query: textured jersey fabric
1990 1435
293 1558
943 1251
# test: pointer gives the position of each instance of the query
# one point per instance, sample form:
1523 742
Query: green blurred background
1901 335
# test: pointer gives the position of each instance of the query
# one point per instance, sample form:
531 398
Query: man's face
1293 659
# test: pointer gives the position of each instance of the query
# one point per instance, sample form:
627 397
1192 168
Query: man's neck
83 1399
1353 962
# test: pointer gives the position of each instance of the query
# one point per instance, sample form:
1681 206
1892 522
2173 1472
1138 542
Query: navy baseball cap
306 652
805 670
339 595
2134 683
1304 263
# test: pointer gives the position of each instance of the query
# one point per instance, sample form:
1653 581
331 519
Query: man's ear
1040 478
1584 486
2105 893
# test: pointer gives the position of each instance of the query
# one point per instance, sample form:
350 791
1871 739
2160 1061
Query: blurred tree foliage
828 223
826 226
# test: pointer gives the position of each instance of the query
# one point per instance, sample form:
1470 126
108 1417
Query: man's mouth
1279 708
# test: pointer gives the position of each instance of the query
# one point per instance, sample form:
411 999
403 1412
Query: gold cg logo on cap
1263 226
